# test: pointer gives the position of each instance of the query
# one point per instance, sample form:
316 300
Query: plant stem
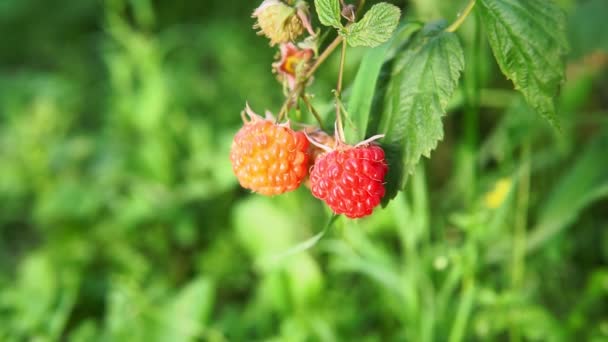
341 72
360 7
518 261
340 126
469 152
312 109
519 238
463 312
284 107
461 18
323 56
330 48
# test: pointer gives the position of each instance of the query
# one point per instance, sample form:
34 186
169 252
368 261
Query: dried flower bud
293 64
318 135
349 13
278 21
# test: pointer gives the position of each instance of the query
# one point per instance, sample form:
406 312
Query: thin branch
340 126
312 109
360 7
298 89
461 18
330 48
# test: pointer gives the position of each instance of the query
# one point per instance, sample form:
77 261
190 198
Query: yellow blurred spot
494 198
291 63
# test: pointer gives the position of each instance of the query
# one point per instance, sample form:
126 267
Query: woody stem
323 56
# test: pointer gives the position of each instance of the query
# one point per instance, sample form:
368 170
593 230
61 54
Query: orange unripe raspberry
350 179
269 159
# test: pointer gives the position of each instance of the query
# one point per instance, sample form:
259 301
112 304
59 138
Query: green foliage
528 38
121 220
376 26
585 182
587 27
362 93
424 78
329 12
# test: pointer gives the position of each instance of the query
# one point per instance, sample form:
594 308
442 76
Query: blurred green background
120 219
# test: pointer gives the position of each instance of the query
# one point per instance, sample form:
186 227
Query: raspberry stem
461 18
322 57
360 7
312 109
340 126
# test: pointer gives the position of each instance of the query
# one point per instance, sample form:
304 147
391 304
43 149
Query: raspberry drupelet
269 158
350 179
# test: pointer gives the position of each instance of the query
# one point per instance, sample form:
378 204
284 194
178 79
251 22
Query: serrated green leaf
528 38
400 41
425 77
328 12
370 85
376 27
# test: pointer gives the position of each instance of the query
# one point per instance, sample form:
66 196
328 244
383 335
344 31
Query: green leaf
401 39
376 27
328 12
582 185
528 38
186 315
302 246
362 94
587 26
370 85
425 77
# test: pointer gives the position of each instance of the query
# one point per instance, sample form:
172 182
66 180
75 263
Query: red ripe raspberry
350 180
267 158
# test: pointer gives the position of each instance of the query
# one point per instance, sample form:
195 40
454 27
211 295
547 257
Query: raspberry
269 159
350 180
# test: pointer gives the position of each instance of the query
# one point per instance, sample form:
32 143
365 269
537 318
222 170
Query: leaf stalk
340 126
462 17
294 94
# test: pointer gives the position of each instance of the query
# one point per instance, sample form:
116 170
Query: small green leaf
375 28
370 84
528 38
328 12
424 78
